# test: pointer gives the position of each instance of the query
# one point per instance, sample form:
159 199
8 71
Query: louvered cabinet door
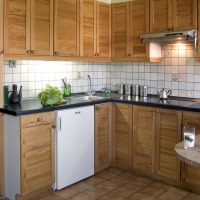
191 174
160 15
37 158
168 134
139 24
66 28
122 135
1 26
103 22
184 14
143 139
87 28
42 27
103 146
17 27
120 30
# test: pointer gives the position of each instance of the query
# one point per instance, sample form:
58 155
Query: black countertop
31 106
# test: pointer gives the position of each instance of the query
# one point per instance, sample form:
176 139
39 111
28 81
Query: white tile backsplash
179 71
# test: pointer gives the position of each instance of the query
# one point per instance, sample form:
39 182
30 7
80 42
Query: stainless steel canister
128 89
136 90
143 90
121 90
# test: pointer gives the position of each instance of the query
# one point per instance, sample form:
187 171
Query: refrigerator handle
59 125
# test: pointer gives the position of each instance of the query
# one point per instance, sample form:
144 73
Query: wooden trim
97 27
195 14
5 26
151 18
51 45
1 79
2 154
113 132
78 28
32 25
170 14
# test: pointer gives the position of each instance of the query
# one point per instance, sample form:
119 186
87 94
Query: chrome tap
90 92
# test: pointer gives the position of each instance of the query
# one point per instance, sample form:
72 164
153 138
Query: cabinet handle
55 53
1 52
32 52
27 51
129 55
95 54
77 112
53 126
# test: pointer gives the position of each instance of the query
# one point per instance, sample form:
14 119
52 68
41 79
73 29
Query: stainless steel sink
86 98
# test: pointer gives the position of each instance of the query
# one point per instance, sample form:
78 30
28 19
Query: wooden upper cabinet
184 14
42 27
87 28
160 15
139 24
122 135
173 15
168 134
144 139
103 146
66 27
1 26
120 30
103 23
17 27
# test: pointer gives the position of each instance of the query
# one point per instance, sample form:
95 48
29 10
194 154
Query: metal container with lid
121 90
128 89
143 90
136 90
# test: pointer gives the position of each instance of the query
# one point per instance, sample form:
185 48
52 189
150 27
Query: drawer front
37 119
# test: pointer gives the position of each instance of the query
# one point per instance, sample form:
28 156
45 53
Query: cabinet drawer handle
27 51
77 112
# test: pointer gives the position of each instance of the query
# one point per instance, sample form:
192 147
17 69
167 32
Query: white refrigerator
74 145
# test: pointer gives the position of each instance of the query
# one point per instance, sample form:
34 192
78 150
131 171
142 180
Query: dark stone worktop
30 106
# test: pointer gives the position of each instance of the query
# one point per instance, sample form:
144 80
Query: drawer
37 119
191 117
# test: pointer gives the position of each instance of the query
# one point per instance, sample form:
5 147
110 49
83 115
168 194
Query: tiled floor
115 184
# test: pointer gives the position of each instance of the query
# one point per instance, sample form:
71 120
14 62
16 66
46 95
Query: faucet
90 92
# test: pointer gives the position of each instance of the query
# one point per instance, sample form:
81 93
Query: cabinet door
143 138
120 30
122 134
103 21
37 158
1 26
66 27
88 28
139 24
17 27
102 136
168 134
160 15
1 153
42 27
184 14
191 174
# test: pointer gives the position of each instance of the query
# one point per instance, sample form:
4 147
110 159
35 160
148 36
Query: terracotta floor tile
94 180
81 186
192 196
80 196
173 194
108 185
51 197
140 196
66 193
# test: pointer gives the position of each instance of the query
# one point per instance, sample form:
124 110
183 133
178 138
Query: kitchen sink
86 98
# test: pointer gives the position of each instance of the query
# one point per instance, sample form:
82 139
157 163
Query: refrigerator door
75 145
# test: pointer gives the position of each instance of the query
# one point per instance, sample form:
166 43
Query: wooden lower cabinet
31 159
143 139
103 144
168 134
190 175
122 135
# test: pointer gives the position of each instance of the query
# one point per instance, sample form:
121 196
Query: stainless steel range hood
171 37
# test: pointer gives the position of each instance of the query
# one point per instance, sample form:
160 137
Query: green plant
50 96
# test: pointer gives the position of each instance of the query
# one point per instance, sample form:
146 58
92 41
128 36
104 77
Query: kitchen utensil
128 89
15 97
164 93
143 90
67 90
121 90
136 90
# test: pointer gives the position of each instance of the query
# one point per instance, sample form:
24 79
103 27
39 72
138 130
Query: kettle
164 93
15 97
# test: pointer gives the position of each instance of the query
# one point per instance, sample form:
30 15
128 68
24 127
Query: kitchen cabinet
1 26
28 27
103 141
122 135
173 15
190 175
144 139
87 28
168 134
31 158
95 31
103 30
129 21
66 27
